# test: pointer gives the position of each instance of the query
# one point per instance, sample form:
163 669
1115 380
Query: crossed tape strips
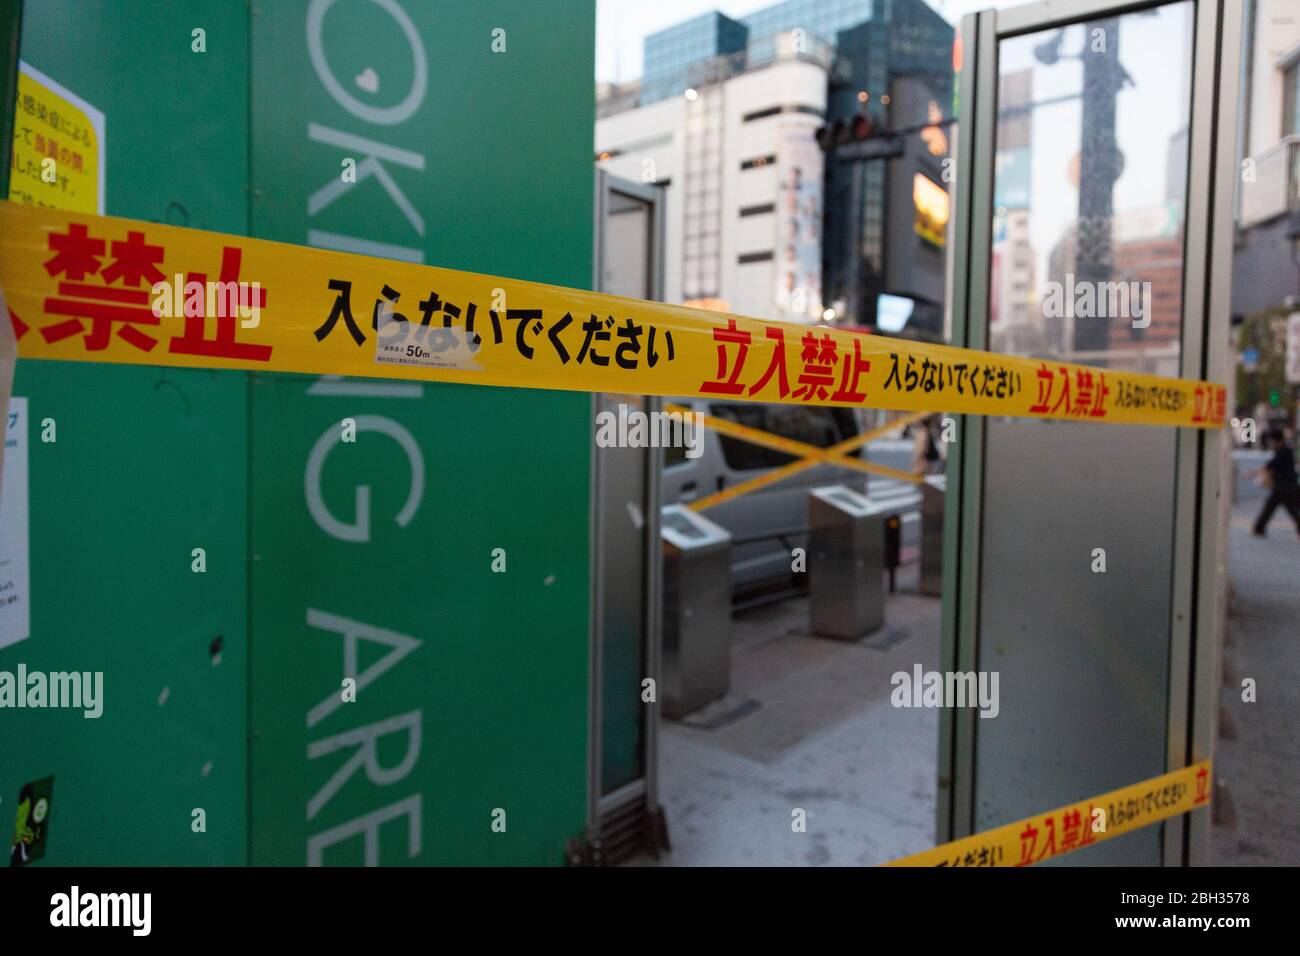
809 455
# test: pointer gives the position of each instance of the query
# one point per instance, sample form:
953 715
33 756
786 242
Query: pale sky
621 25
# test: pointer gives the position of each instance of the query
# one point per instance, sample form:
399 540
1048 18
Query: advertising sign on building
798 224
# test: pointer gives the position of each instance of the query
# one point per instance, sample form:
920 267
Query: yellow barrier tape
753 436
1076 825
753 484
809 455
93 288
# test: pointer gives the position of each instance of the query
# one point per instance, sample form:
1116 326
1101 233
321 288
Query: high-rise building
1265 269
743 204
1014 324
1266 253
670 53
896 74
758 218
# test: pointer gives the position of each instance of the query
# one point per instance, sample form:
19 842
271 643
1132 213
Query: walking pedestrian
926 457
1283 487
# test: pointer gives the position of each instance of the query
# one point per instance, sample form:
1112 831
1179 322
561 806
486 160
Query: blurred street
1258 754
808 724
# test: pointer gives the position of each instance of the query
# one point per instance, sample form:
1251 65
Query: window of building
758 161
1291 100
777 110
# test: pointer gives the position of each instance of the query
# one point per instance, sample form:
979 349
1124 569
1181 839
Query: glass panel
622 573
627 247
1086 265
626 244
1090 191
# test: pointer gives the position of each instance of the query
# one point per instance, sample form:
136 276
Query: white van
768 523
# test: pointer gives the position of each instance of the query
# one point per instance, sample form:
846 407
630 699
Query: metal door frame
1197 605
599 806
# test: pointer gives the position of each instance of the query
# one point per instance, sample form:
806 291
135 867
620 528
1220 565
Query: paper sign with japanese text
58 154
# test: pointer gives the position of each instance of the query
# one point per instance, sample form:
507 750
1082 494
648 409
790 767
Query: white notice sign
15 604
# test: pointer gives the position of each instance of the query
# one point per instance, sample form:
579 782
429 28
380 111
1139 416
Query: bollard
846 542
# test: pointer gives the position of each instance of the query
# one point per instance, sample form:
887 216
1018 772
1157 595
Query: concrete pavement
807 726
1258 754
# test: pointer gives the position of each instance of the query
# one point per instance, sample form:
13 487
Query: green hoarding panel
472 684
176 120
146 466
488 667
115 510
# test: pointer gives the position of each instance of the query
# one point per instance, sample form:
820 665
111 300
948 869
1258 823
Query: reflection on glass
1090 186
627 247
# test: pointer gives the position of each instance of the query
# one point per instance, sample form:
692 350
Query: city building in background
1013 289
1266 259
759 220
1265 272
1089 200
670 53
743 178
886 218
1146 253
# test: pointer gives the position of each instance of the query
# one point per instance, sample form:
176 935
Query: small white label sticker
399 341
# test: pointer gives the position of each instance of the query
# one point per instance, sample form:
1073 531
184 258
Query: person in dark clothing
1283 487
